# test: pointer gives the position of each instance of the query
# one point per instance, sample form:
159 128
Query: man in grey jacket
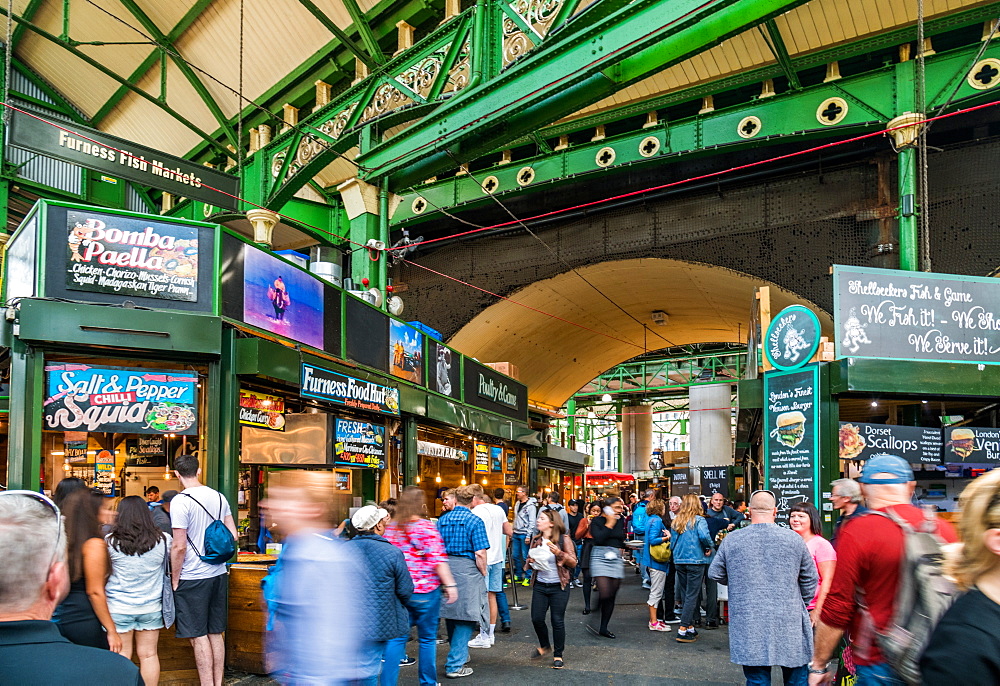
525 516
771 577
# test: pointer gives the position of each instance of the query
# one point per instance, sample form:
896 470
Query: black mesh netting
786 230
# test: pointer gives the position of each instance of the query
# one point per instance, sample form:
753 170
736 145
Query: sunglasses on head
763 490
48 503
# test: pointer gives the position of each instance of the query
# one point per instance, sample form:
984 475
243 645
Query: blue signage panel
359 444
347 391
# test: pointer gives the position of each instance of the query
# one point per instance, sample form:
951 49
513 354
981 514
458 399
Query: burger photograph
963 442
790 428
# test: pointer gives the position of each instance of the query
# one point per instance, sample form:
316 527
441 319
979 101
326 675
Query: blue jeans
503 608
877 675
370 663
575 572
424 609
519 549
761 676
643 570
459 635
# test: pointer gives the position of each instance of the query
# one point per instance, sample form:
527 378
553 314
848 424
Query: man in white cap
869 554
388 587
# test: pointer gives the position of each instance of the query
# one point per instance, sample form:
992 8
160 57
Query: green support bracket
223 425
24 462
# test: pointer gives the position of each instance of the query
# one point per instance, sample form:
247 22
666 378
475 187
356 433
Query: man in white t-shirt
201 590
497 527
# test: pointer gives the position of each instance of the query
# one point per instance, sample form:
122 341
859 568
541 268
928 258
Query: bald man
773 579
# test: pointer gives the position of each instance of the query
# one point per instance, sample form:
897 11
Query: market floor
637 657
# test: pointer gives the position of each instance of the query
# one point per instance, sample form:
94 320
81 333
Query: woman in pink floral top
427 561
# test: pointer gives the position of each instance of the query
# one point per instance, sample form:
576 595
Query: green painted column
223 426
368 209
409 451
909 232
570 421
25 432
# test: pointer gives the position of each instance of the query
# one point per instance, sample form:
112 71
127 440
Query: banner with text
972 444
262 410
359 444
146 451
127 400
714 480
791 455
892 314
915 444
339 389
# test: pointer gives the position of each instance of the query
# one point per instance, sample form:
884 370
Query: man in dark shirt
845 494
33 580
161 513
498 499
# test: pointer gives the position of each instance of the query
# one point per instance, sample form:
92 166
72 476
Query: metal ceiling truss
815 112
664 375
522 74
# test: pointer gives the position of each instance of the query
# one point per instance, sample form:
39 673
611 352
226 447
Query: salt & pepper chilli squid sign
132 400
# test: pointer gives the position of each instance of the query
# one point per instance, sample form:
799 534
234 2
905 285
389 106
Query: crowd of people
84 587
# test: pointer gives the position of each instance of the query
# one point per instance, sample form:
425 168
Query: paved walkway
637 656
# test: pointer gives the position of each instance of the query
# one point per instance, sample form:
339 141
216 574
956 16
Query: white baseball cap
368 517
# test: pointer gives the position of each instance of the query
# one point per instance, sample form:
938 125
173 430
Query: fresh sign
359 444
120 400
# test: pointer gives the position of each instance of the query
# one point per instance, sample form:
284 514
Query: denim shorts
143 622
494 577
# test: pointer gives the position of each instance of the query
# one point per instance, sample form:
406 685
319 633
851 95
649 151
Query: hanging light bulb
485 482
463 481
418 479
438 478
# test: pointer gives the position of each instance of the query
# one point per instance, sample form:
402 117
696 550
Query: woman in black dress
83 617
606 566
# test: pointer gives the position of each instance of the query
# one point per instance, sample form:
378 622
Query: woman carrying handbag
551 556
139 580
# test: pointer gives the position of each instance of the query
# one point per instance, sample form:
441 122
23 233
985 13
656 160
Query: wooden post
764 303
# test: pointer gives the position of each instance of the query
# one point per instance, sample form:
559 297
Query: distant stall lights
606 398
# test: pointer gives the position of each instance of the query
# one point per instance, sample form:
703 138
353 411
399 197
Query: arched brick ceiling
704 303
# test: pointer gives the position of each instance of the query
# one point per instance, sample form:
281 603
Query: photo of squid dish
852 443
790 428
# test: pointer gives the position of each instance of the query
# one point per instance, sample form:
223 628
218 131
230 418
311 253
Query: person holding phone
606 566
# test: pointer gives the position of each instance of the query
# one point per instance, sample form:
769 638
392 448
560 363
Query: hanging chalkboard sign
791 437
892 314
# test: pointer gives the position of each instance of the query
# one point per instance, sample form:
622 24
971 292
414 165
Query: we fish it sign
127 400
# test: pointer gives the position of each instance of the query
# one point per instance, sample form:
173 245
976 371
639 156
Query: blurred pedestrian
497 530
719 517
525 516
845 494
500 500
465 540
83 617
312 591
387 589
606 565
161 514
771 577
67 486
965 645
427 562
692 547
805 521
656 533
33 579
138 551
576 515
586 548
870 551
551 556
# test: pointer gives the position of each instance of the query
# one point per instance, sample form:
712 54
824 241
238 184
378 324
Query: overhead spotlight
592 415
606 398
659 317
874 403
924 402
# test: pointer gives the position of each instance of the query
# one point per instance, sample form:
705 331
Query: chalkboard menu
791 457
891 314
714 480
915 444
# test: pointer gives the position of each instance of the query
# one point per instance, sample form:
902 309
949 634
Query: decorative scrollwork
420 77
277 162
458 77
386 98
539 14
515 42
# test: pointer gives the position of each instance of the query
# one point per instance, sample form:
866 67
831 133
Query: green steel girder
777 45
654 376
341 35
185 69
365 29
59 102
29 13
871 98
568 71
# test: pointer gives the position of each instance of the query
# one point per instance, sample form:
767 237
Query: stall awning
551 456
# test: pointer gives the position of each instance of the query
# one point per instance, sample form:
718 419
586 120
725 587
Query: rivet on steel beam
707 105
598 133
322 93
652 119
832 72
404 36
505 157
767 89
563 143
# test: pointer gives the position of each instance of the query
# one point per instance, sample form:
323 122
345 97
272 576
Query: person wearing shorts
200 589
497 529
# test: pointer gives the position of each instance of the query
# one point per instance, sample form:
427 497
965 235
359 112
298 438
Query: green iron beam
776 43
341 35
59 104
29 13
872 100
113 75
199 87
366 32
152 58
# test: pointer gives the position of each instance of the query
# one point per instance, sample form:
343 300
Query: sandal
557 663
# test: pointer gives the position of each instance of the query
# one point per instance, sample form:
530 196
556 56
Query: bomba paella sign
128 400
121 255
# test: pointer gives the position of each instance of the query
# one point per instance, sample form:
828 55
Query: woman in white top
137 548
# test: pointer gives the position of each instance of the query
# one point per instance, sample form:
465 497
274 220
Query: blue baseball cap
886 464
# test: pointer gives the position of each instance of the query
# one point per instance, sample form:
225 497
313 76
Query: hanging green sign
792 338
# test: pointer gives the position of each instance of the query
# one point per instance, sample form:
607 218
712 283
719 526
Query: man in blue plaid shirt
466 543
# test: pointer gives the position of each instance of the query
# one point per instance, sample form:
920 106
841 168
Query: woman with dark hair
804 520
137 549
426 560
83 616
606 565
551 556
586 547
67 486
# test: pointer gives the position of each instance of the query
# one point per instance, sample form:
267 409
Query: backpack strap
214 519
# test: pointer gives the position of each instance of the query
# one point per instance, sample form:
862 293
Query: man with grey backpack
888 590
201 519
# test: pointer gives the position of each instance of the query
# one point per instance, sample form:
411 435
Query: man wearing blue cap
869 554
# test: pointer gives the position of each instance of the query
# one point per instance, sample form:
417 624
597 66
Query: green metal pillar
367 208
621 457
24 466
909 250
409 451
223 438
570 421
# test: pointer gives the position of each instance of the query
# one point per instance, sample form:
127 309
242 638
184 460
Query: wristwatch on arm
814 670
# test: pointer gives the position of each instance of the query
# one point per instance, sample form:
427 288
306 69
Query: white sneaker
481 641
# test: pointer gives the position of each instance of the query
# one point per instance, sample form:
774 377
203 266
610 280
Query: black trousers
546 597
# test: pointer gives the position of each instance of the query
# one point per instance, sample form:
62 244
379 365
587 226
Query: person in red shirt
869 554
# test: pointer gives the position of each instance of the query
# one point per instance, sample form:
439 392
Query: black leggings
607 587
552 597
587 581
